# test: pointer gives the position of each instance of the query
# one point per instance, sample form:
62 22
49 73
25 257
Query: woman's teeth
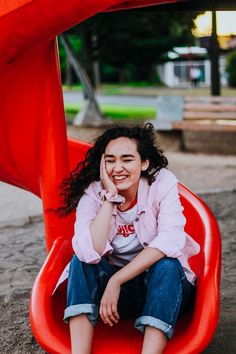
119 178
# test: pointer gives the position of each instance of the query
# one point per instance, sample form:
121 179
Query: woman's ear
145 165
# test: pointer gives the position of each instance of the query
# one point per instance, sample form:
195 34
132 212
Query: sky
226 23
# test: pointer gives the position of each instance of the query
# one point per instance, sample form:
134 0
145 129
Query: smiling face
124 165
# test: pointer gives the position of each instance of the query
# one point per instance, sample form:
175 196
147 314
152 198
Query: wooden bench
208 111
209 124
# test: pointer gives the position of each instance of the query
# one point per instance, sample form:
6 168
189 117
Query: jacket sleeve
82 240
171 237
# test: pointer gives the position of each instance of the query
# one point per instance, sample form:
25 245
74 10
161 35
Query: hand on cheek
105 179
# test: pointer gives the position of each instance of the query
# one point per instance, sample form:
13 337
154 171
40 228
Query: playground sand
22 253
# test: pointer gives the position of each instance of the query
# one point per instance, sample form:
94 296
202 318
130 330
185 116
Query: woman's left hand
105 179
108 305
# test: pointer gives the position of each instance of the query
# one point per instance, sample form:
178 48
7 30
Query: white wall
176 74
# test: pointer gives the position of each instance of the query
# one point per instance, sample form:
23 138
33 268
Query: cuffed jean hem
143 321
90 310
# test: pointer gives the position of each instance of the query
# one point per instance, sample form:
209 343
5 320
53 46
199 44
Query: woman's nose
118 166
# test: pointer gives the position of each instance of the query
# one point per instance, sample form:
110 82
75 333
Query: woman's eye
128 160
109 161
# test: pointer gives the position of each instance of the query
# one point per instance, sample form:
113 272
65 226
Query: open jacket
159 222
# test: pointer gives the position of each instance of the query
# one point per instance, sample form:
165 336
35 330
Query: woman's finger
104 315
107 318
101 313
102 167
115 312
111 314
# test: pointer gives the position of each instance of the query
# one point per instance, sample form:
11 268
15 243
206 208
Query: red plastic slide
193 332
35 155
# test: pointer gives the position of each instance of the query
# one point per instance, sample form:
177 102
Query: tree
127 45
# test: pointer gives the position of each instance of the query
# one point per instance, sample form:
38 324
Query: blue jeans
155 297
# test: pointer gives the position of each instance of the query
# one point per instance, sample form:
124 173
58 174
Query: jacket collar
143 190
142 198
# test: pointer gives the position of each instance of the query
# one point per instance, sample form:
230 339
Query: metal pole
215 71
90 114
80 74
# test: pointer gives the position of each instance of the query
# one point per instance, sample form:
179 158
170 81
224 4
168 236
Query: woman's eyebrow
108 155
127 155
124 156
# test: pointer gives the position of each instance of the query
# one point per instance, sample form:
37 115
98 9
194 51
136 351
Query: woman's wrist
116 279
112 197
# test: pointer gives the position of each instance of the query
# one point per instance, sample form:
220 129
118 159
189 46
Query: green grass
117 112
77 87
125 89
145 89
117 89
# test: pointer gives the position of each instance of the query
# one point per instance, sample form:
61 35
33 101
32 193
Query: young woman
131 250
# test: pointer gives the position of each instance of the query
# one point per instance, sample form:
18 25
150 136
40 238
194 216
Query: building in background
175 72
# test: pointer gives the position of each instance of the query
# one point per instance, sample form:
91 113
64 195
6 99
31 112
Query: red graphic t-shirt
125 244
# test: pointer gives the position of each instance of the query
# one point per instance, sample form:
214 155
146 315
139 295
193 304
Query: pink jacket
159 222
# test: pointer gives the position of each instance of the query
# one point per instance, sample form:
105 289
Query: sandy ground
22 249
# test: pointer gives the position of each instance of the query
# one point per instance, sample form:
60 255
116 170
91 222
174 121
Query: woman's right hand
107 183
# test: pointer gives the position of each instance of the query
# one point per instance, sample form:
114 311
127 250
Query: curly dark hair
88 170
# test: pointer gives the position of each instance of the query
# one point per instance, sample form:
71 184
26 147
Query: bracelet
112 197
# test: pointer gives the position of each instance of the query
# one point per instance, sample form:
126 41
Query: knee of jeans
165 266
